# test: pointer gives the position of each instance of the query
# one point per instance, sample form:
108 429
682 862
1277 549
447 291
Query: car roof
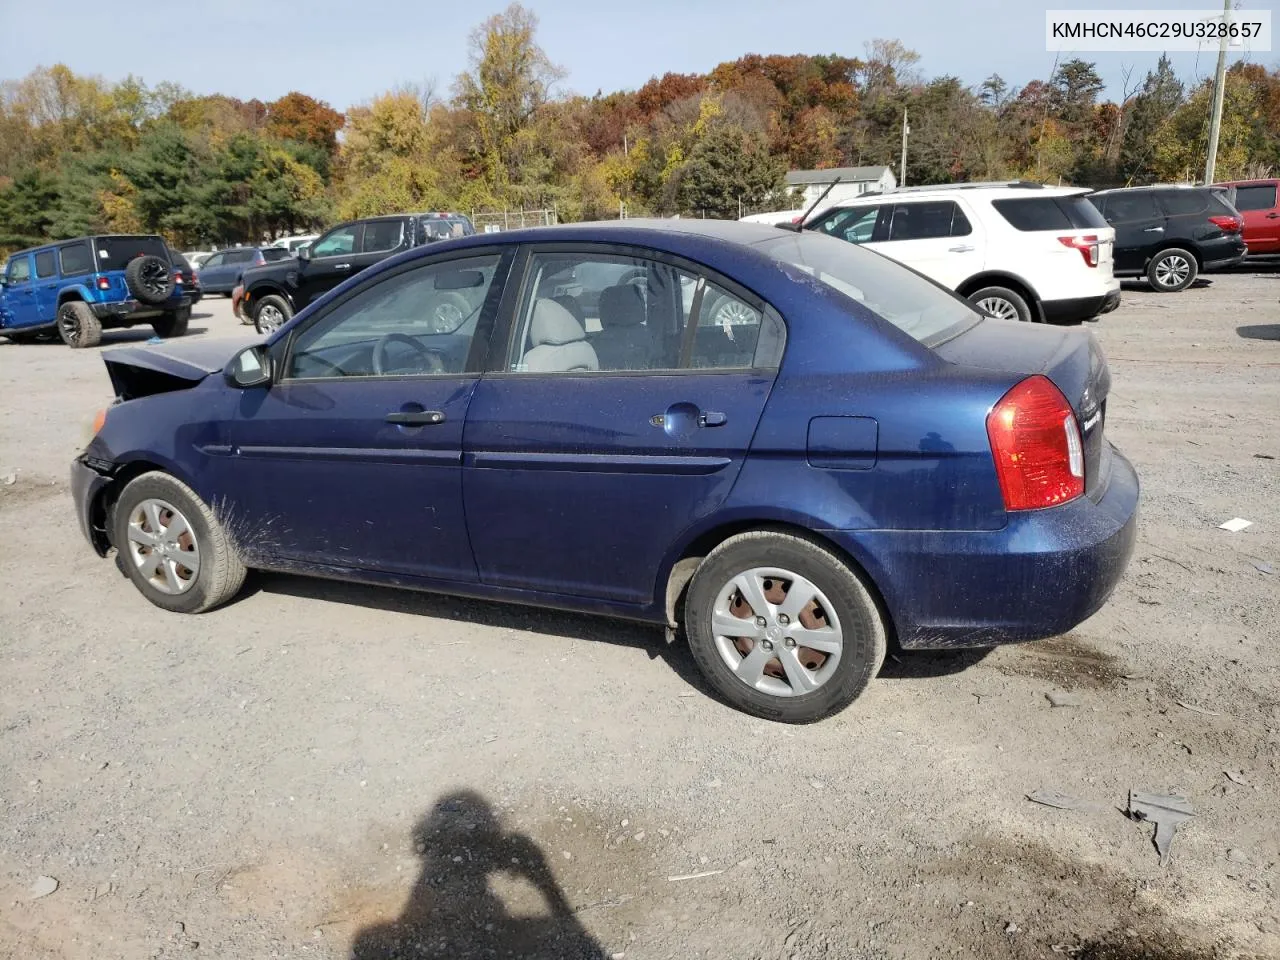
991 191
1157 186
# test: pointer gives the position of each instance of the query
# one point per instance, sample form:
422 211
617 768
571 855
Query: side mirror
251 367
304 252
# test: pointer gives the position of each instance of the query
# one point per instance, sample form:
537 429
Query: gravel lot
319 769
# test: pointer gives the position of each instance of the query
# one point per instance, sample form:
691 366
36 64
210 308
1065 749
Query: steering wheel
433 361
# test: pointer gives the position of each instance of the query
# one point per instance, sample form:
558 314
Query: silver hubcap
777 632
998 307
733 312
1172 271
448 317
270 318
163 546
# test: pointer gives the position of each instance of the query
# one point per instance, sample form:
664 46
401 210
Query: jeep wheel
270 314
172 324
149 279
78 326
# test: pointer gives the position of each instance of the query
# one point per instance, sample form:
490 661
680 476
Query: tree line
80 155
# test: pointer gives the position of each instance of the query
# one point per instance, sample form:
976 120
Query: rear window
442 228
1183 202
1256 197
114 253
914 305
76 259
1049 213
275 253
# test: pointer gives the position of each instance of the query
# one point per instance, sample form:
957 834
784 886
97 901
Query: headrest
553 325
621 305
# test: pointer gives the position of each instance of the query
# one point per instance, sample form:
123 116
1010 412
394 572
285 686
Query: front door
586 458
1139 226
1257 204
343 252
214 273
20 293
353 457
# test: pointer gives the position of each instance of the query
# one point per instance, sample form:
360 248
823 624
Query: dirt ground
326 771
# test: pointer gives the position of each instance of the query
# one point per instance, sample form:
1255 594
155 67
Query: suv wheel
1001 303
271 313
172 324
78 326
1172 270
782 627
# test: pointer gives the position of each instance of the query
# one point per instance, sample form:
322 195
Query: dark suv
1169 234
78 288
275 292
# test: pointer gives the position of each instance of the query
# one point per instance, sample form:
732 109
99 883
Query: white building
854 181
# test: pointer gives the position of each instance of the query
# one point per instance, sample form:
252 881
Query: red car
1256 201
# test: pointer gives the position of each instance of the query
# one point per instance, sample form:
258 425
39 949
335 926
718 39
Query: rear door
1257 204
46 284
1139 226
581 473
937 238
20 292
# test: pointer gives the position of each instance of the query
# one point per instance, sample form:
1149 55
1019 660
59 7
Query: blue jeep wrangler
78 288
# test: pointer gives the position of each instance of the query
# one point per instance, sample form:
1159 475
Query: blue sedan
794 449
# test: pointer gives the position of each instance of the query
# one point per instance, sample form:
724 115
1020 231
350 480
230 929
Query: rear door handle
712 418
416 418
342 266
963 248
1273 216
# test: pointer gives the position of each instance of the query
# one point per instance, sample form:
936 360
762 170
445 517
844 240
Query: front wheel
782 627
271 313
1001 303
172 546
1172 270
172 324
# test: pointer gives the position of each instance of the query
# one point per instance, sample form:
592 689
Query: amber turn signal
99 421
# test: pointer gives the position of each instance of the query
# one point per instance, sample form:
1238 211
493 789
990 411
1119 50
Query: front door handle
342 266
963 248
416 418
1273 216
712 418
1154 230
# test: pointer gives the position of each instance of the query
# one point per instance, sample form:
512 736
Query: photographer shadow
453 912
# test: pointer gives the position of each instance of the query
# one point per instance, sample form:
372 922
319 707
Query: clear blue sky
347 52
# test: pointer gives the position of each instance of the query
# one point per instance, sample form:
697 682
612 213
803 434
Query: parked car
1169 234
78 288
185 275
1018 251
197 257
274 293
870 460
293 243
1256 202
777 217
222 271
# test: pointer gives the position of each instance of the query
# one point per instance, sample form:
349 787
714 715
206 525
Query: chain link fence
495 221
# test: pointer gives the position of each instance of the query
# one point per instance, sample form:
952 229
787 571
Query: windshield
114 253
911 303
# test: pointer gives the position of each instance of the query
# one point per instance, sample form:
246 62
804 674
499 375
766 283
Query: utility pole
1219 89
902 169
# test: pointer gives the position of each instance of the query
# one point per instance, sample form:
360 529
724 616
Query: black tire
220 572
172 324
1014 306
1172 270
279 304
862 626
77 325
150 279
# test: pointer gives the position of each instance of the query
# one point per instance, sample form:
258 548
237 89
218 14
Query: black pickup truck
273 293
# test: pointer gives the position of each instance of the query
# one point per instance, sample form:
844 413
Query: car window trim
501 278
521 276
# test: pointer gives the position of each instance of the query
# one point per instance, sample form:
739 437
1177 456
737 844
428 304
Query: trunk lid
143 371
1069 356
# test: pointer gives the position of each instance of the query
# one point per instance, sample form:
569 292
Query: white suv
1017 251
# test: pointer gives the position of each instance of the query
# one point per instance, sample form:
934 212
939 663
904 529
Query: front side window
417 323
587 312
19 270
854 225
46 265
337 242
1256 197
76 259
380 235
214 261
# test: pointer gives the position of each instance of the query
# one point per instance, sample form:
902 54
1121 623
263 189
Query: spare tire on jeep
149 279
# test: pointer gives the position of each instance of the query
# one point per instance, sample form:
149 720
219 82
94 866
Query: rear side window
238 256
1256 197
1138 205
274 253
114 253
928 221
1182 202
76 259
380 235
1049 213
46 266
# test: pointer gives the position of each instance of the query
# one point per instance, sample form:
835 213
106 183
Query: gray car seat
557 341
623 343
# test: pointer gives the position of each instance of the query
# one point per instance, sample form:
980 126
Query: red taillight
104 283
259 260
1228 224
1036 443
1088 247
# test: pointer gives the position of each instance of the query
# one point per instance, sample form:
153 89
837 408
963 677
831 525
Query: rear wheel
782 627
1001 303
271 313
172 546
77 325
172 324
1172 270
